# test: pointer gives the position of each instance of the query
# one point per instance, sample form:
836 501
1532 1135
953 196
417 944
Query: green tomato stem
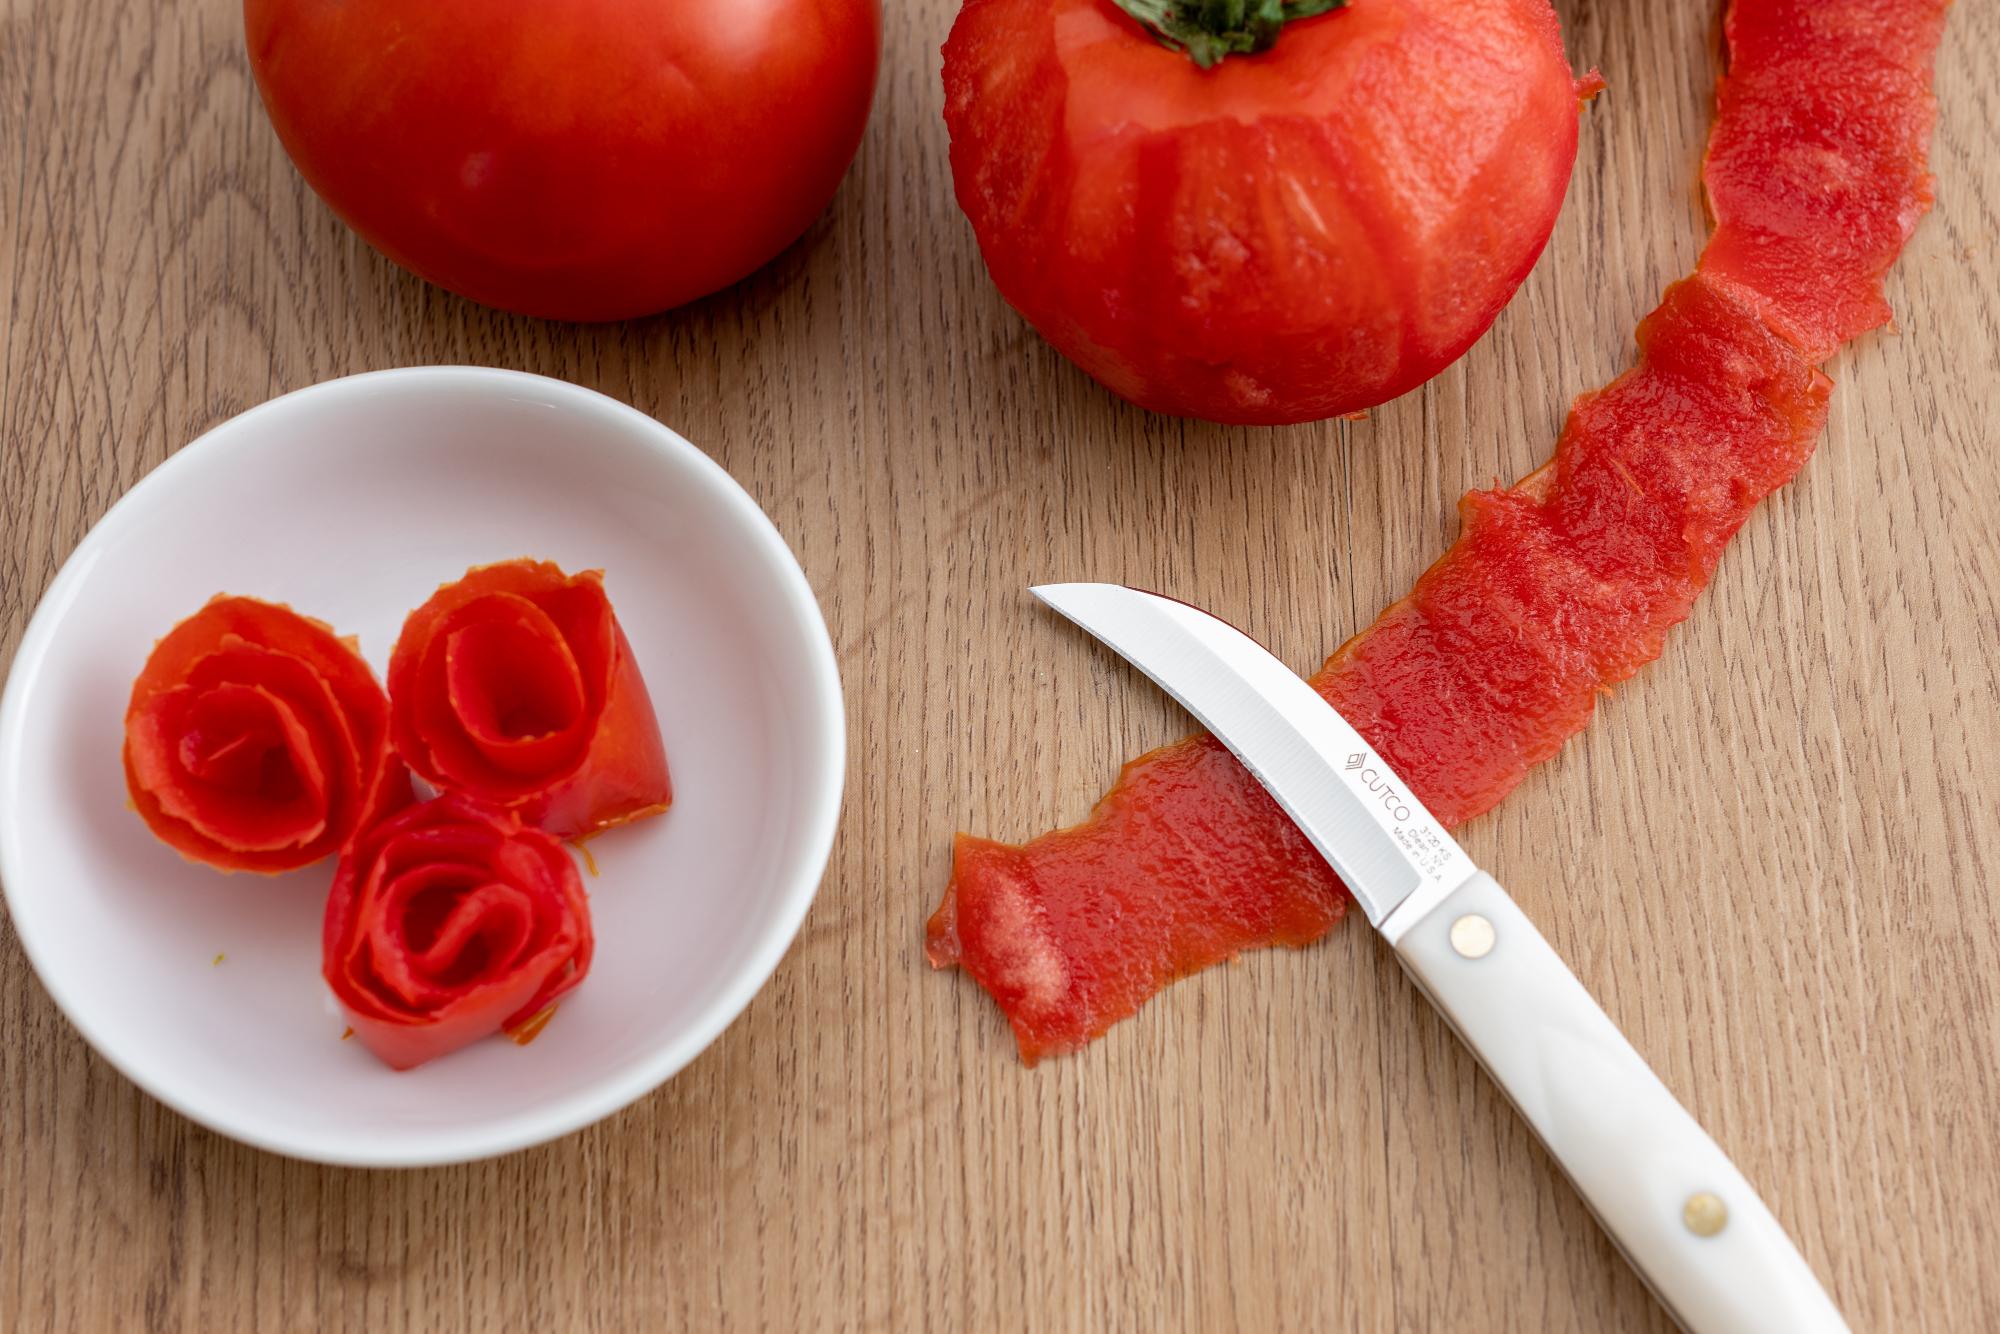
1208 30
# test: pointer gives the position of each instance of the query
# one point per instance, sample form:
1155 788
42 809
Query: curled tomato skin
256 739
516 685
1283 237
584 160
449 922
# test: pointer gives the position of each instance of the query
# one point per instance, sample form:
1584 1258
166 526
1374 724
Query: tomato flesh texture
590 160
1284 237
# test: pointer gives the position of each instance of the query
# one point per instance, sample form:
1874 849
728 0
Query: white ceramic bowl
352 501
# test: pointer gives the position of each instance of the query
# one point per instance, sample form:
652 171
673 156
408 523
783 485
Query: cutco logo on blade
1372 779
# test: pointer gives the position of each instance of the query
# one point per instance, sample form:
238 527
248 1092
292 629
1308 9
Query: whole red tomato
1284 236
576 159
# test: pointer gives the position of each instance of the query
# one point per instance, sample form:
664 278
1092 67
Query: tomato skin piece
1076 929
588 160
1284 237
1806 237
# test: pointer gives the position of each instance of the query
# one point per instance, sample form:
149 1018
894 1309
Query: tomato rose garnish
1296 214
449 922
258 740
516 685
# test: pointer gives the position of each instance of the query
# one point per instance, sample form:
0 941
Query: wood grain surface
1772 856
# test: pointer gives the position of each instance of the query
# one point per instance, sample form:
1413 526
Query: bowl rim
599 1098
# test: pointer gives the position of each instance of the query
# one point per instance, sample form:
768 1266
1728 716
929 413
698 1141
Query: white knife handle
1639 1160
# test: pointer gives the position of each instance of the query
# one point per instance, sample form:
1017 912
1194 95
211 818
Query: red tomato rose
516 685
1285 236
581 160
450 922
258 740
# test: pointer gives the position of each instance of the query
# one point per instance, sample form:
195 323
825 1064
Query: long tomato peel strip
1818 167
1555 589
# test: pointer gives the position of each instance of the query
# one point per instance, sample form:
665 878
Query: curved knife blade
1378 838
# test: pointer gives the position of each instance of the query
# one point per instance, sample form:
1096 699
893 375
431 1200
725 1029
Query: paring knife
1678 1208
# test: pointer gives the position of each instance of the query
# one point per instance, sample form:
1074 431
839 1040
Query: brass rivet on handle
1473 936
1704 1214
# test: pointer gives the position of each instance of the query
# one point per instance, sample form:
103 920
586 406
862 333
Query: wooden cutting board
1773 855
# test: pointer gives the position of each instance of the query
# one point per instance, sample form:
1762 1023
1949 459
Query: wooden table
1773 855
